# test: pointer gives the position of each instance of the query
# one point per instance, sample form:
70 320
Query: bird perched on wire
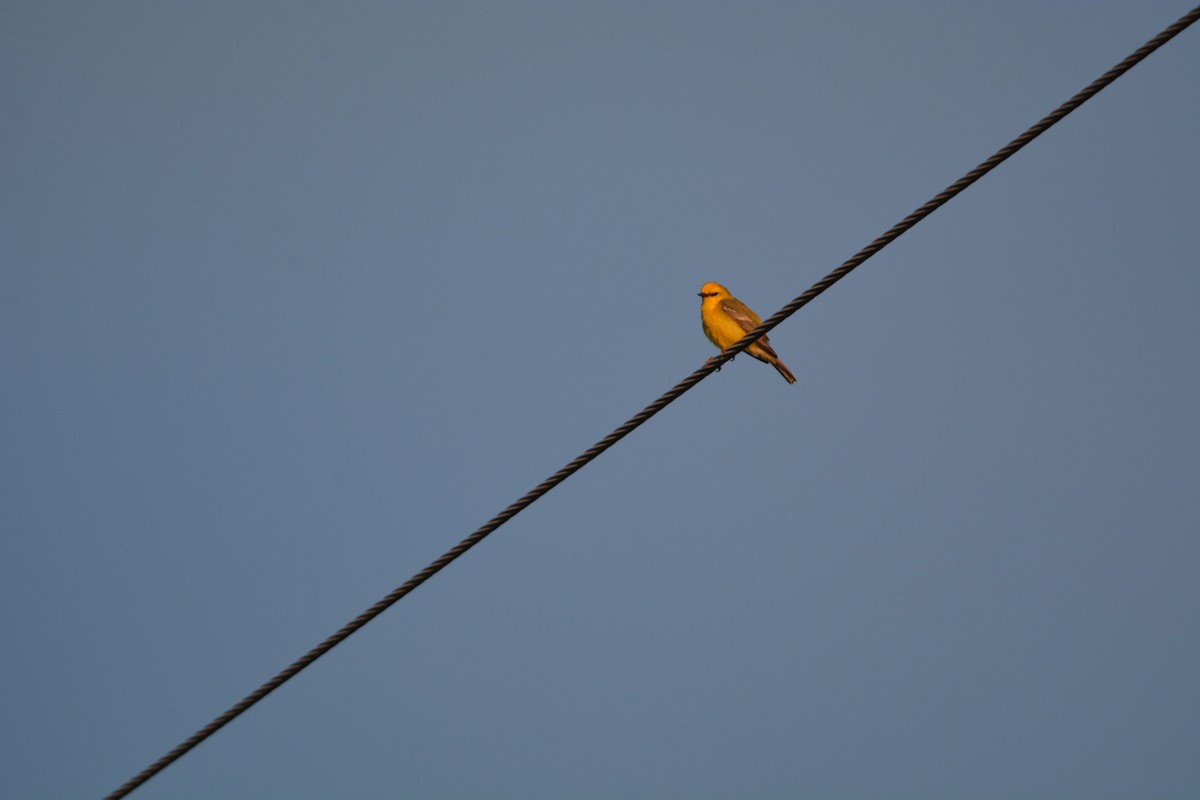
727 319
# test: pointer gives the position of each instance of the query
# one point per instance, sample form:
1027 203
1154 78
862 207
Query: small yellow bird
727 319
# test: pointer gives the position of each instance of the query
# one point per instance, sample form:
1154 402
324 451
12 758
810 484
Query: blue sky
293 296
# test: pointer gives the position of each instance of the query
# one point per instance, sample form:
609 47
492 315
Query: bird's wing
739 313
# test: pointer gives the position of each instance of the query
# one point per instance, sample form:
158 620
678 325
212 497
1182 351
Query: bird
726 320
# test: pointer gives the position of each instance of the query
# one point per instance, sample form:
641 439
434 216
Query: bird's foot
711 360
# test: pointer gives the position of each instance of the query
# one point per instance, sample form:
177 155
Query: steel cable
649 411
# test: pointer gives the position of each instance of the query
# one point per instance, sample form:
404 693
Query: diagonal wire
649 411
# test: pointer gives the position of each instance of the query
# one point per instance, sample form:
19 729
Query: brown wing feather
747 323
739 316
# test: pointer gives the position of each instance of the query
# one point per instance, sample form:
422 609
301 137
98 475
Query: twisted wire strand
668 397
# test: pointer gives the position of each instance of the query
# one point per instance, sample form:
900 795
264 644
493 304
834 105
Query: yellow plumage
727 319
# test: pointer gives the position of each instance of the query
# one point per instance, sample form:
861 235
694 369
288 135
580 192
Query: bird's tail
784 371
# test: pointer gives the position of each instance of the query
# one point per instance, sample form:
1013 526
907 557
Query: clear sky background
293 296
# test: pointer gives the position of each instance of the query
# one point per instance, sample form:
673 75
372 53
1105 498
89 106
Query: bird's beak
699 294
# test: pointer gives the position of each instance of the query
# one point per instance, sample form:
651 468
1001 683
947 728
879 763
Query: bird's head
713 290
